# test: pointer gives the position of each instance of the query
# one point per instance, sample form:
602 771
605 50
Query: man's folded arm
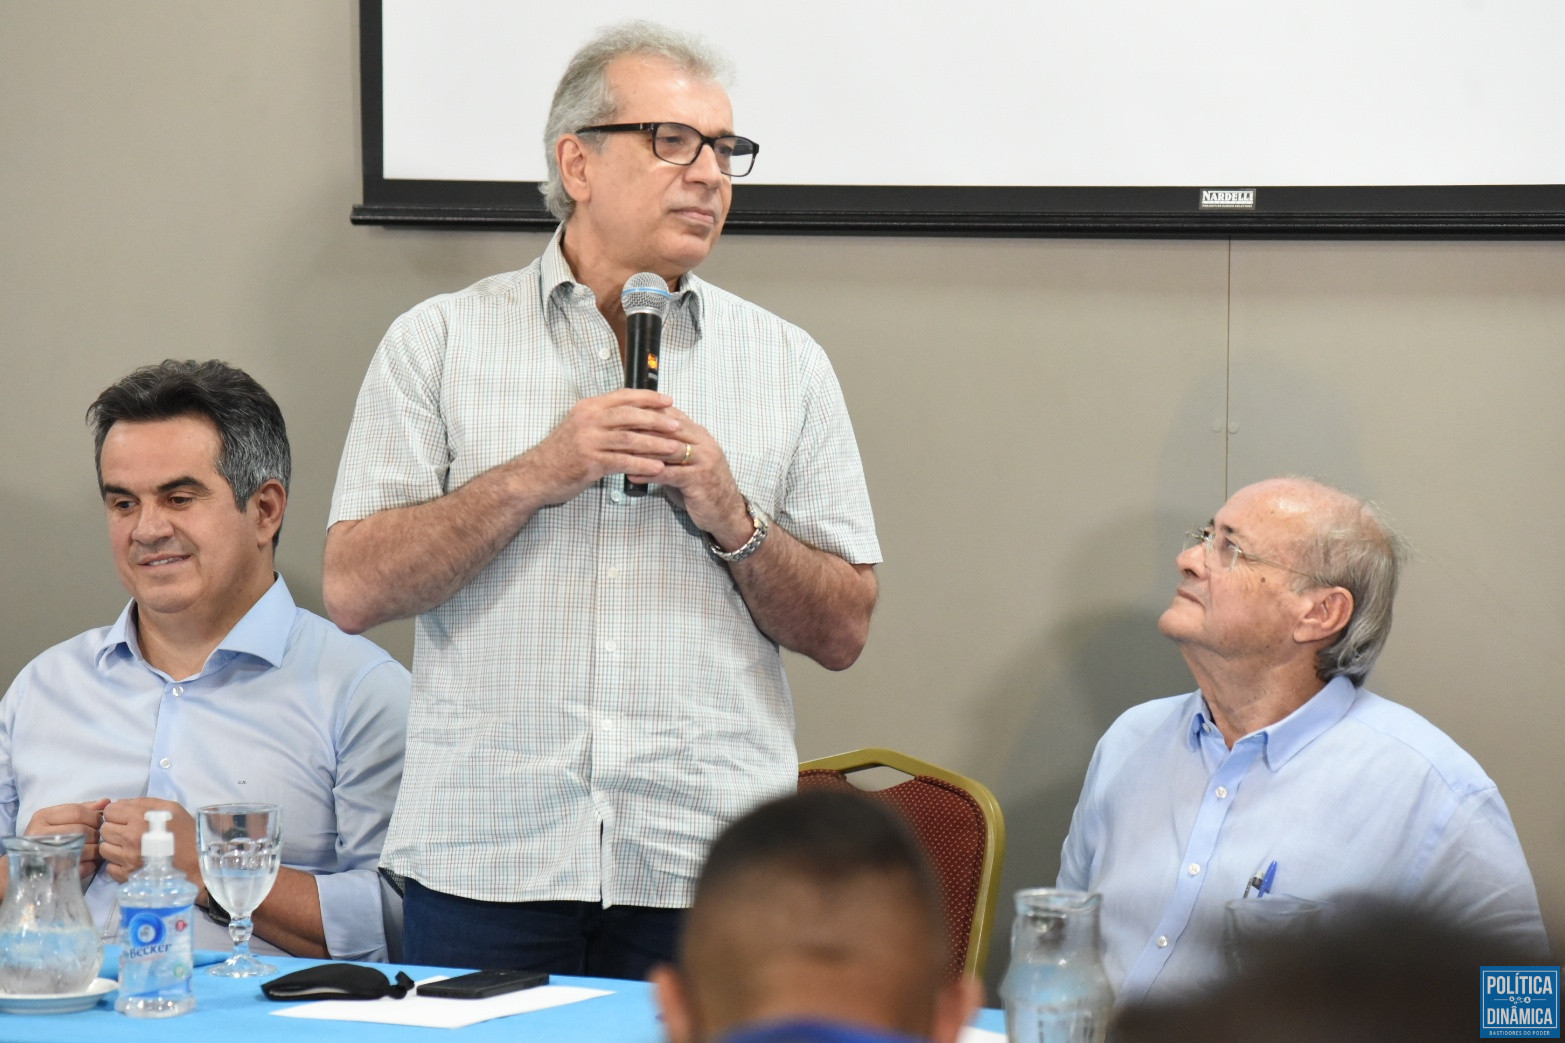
370 737
405 560
808 600
290 917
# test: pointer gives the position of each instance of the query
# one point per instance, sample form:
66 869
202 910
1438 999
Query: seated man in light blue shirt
1281 773
212 686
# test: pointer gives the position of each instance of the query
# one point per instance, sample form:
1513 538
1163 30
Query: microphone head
646 294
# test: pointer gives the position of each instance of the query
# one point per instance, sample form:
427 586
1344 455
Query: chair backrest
960 825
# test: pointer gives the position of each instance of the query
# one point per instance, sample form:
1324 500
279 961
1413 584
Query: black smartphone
480 984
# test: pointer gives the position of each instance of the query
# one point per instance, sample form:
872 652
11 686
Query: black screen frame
1401 212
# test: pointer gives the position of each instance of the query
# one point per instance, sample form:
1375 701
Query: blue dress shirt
1351 794
288 710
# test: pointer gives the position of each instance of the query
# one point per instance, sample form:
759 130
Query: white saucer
59 1003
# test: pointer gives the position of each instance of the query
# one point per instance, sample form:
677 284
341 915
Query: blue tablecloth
227 1009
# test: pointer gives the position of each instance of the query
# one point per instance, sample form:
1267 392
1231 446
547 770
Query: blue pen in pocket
1267 881
1261 883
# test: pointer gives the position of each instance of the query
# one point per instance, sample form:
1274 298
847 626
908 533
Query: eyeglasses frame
1206 536
618 128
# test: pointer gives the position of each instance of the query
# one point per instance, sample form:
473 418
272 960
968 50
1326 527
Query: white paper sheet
438 1011
976 1035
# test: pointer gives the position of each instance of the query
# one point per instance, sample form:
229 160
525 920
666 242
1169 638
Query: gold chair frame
988 890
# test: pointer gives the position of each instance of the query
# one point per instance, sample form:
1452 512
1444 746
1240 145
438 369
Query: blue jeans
583 938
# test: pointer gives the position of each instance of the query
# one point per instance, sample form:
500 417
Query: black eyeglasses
680 144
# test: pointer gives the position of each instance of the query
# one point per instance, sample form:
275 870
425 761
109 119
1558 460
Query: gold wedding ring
688 448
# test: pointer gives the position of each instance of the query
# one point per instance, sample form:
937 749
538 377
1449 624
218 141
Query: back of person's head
1377 973
249 424
818 906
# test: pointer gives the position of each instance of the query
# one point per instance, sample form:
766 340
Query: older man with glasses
598 687
1281 777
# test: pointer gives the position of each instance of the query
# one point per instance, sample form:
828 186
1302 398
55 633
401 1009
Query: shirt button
165 763
1195 869
1222 791
617 497
610 646
603 353
1162 941
178 690
606 724
613 572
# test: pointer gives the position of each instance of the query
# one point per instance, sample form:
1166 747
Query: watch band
762 524
215 912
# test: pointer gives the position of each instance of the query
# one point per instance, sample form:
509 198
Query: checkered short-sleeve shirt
597 703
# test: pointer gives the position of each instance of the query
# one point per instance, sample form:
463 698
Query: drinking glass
241 848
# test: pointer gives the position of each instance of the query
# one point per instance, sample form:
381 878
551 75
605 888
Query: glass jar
1055 990
48 945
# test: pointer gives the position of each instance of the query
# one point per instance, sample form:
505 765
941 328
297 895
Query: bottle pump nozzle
157 841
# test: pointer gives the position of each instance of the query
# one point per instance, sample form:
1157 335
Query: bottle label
156 950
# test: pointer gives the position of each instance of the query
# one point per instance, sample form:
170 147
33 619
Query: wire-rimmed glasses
1227 554
680 144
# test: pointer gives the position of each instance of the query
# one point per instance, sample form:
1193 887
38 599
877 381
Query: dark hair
249 425
824 837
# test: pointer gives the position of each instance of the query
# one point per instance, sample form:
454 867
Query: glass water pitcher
48 944
1055 990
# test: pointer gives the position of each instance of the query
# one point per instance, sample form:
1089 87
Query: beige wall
1040 419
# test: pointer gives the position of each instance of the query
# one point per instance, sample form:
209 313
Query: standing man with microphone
598 687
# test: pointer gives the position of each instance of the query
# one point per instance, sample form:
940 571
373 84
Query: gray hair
1354 547
584 97
249 425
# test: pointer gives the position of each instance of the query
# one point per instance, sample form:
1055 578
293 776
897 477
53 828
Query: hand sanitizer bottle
157 925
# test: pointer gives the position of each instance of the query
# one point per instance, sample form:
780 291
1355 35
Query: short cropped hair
249 424
824 838
584 97
819 905
1353 546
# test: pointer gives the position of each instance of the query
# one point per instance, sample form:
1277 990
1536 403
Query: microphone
645 299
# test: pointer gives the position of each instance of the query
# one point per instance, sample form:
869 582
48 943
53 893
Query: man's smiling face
181 545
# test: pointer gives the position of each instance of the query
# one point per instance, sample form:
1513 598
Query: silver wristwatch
762 524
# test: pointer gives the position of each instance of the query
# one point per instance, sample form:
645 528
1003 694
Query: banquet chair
959 824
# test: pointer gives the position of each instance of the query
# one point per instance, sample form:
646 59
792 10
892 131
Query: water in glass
241 849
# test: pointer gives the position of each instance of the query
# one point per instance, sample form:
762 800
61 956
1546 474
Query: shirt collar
556 279
553 270
262 632
1199 719
1282 740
